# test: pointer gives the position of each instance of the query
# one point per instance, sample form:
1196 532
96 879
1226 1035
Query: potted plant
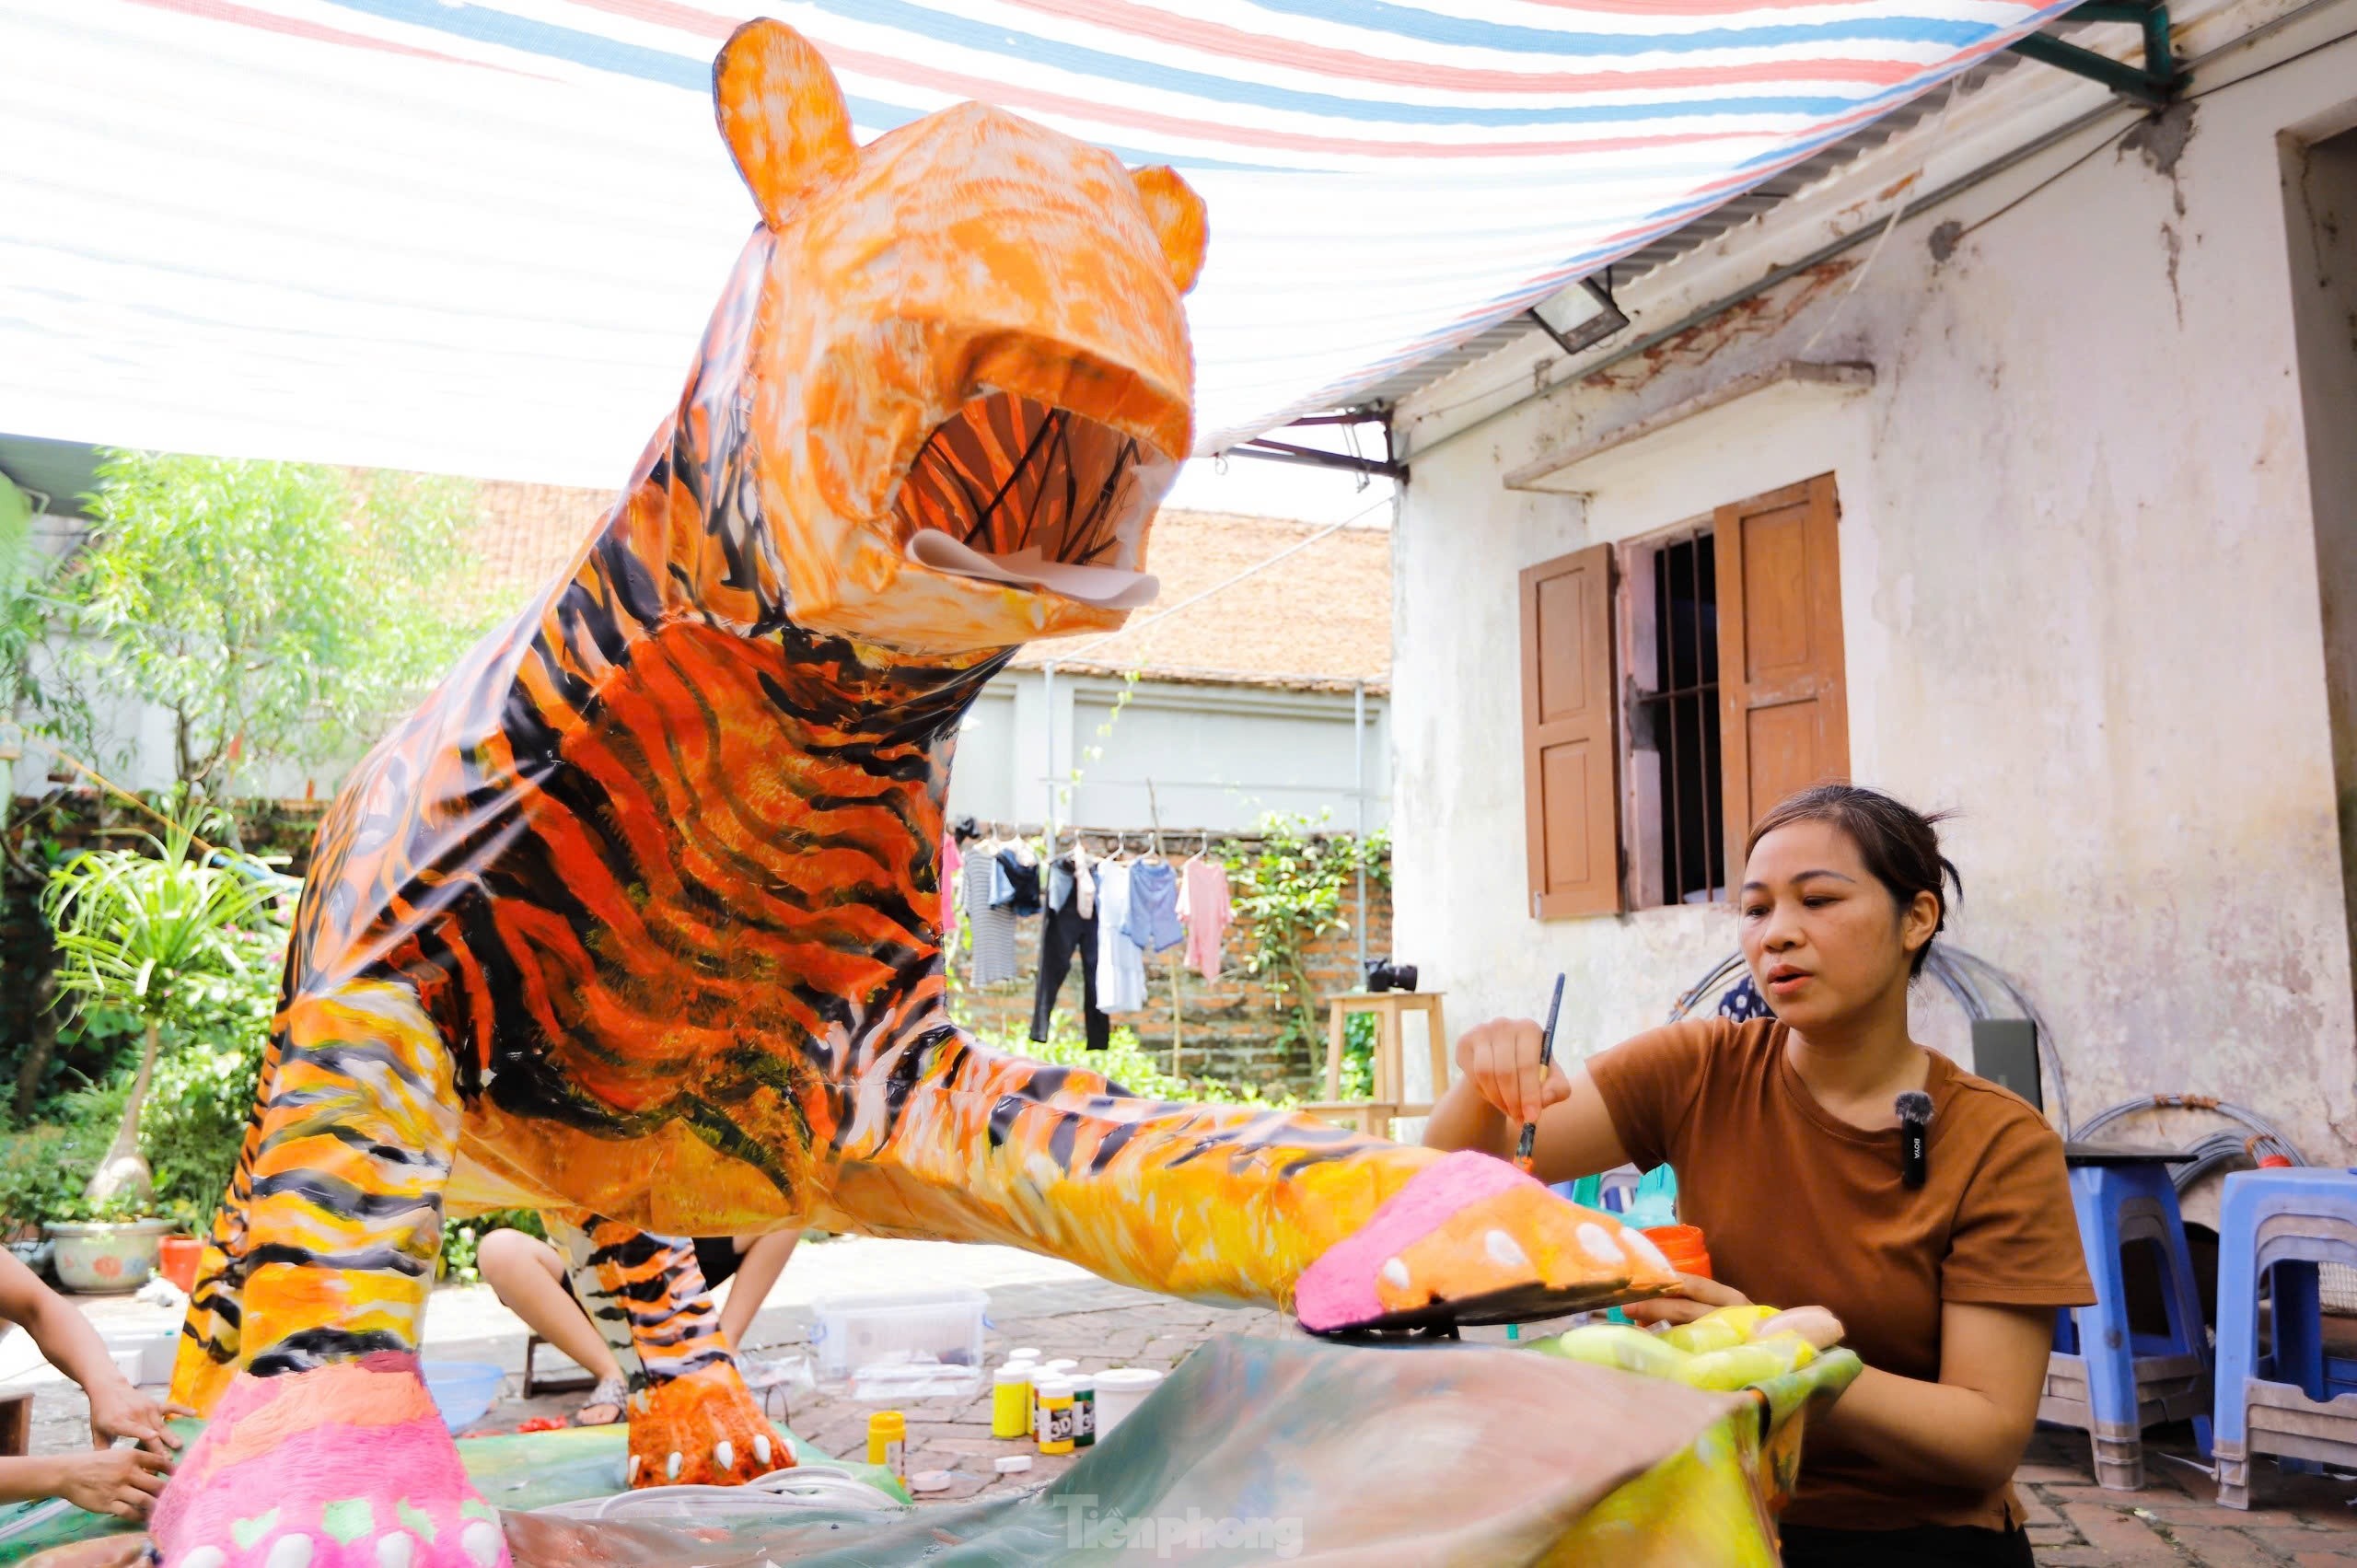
105 1246
143 933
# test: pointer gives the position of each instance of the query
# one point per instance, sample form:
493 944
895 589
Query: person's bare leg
527 1276
761 1258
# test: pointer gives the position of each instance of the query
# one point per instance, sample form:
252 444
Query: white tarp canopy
481 239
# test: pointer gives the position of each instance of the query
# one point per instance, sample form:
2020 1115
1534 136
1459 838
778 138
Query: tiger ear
1176 214
781 112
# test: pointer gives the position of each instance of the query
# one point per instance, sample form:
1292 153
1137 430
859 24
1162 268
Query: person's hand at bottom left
118 1411
122 1483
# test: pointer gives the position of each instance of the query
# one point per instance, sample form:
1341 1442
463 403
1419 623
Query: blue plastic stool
2103 1377
1640 1200
2294 1402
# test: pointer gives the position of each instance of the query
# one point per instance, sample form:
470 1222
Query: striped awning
481 238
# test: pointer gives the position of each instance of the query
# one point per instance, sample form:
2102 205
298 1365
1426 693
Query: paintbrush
1546 1059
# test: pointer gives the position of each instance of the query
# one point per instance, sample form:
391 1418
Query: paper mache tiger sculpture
636 920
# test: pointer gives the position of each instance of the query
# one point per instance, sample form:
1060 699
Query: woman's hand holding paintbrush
1510 1065
1546 1066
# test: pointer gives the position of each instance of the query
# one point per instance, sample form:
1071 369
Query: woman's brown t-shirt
1799 1208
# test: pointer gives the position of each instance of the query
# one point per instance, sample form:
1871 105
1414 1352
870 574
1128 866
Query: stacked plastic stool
2105 1377
2293 1401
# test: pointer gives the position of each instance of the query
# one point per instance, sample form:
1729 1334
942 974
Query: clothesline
1108 913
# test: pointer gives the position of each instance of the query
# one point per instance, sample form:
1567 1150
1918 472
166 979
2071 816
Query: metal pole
1048 693
1358 788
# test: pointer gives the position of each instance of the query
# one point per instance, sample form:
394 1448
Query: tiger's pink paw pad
346 1466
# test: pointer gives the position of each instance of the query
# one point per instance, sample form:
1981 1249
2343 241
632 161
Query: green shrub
206 1077
460 1239
43 1169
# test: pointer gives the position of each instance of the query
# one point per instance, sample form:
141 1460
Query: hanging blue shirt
1154 907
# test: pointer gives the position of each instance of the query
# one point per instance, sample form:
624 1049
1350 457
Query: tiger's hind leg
325 1449
692 1419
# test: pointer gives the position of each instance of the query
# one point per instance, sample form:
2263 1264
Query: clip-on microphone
1915 1136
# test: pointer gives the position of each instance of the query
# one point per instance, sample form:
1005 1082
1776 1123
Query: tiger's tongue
1107 587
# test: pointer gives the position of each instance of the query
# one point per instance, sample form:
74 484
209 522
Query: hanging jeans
1066 932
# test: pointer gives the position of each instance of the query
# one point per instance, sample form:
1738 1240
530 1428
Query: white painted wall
1219 756
2079 590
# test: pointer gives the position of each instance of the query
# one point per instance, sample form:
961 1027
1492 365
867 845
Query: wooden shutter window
1784 717
1570 752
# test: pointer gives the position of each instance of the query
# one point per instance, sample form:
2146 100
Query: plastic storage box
908 1343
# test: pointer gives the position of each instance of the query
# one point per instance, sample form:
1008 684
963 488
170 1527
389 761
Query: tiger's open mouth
1010 490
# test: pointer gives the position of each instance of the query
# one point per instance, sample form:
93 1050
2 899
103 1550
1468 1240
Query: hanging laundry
1069 934
1203 905
992 918
1019 871
1120 964
1154 907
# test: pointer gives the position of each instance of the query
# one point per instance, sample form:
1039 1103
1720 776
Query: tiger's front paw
1472 1228
344 1465
704 1429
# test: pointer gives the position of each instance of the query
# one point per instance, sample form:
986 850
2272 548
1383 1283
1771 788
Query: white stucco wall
2079 593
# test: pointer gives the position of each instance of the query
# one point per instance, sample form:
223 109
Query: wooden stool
15 1422
1370 1116
563 1383
1390 1085
1374 1114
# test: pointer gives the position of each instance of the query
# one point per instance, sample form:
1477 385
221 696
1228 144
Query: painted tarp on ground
517 1472
1256 1450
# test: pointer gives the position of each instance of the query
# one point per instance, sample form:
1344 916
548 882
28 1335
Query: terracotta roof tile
1321 617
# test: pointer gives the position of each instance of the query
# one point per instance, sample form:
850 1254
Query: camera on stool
1382 974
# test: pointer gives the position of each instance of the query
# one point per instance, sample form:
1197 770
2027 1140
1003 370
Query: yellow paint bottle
1010 1401
887 1442
1055 1415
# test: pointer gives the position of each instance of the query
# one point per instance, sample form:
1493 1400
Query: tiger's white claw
482 1542
723 1457
1505 1252
671 1466
761 1449
397 1550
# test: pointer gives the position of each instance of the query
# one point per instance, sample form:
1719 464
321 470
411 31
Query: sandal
613 1394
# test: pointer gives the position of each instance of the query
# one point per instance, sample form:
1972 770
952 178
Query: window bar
1694 685
1705 690
1667 643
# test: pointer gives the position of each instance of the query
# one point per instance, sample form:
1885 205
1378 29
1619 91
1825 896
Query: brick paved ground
2175 1521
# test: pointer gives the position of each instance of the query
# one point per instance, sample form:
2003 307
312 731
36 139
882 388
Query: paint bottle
887 1442
1063 1367
1084 1410
1010 1401
1055 1415
1027 1359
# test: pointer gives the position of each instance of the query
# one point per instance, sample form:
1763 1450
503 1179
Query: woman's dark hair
1899 845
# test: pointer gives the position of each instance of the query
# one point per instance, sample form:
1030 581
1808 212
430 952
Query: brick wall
1227 1029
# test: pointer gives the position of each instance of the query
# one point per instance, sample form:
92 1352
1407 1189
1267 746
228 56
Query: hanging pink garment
1202 904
